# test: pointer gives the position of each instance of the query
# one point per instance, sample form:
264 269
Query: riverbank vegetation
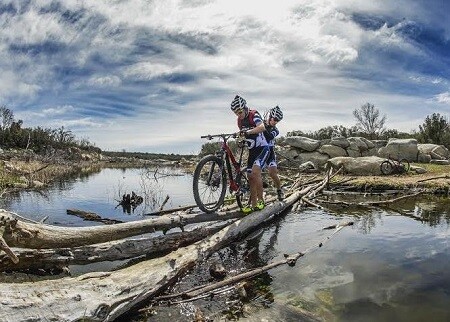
32 157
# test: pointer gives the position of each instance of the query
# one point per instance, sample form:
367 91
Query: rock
399 149
318 159
303 143
423 158
442 162
332 150
37 184
340 142
418 170
217 270
440 150
357 166
359 144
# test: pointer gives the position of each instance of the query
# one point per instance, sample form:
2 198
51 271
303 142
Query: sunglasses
239 112
275 119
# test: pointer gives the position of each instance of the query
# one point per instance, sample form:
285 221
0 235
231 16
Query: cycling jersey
251 120
270 134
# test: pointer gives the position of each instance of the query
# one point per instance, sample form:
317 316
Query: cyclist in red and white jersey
251 126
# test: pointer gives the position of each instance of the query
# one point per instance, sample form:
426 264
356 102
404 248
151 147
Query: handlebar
224 136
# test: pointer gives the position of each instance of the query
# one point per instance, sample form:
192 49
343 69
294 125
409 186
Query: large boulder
340 141
434 150
303 143
318 159
399 149
332 150
379 143
363 166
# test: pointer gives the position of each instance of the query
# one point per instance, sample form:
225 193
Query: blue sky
153 76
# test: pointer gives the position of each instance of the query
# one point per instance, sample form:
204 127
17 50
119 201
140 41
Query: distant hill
149 156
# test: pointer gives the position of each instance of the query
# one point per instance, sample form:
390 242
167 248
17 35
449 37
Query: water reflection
100 193
392 265
387 267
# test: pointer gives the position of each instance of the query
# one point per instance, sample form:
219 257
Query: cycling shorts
271 159
257 156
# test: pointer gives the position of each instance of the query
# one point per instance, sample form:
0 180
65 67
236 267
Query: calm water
101 193
388 266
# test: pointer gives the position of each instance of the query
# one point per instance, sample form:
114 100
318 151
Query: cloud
443 98
136 68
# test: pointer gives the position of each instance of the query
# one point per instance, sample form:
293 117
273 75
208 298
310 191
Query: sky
153 76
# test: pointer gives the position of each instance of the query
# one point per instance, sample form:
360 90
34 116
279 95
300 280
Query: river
388 266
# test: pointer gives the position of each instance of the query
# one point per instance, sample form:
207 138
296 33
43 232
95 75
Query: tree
6 118
435 130
369 120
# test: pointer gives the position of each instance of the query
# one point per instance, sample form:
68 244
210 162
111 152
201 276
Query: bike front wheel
404 165
209 183
243 194
386 167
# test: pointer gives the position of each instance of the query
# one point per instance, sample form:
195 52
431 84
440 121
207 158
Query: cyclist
251 126
271 119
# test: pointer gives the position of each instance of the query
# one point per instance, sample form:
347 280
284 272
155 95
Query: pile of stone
367 153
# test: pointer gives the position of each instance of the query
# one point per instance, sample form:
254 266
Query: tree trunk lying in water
30 259
19 233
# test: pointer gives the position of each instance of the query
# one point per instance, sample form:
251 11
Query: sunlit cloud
137 67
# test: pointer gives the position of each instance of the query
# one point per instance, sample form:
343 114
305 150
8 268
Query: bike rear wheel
404 164
210 183
243 195
386 167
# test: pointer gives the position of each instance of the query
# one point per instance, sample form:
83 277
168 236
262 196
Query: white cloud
308 56
104 81
443 98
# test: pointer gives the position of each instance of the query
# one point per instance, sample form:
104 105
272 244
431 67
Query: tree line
370 124
13 135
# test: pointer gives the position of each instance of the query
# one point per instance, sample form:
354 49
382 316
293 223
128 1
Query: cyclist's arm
271 132
257 129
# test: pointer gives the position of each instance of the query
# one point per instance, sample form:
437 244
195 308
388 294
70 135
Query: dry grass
24 174
436 179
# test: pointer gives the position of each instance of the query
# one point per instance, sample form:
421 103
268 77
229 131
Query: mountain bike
392 165
213 172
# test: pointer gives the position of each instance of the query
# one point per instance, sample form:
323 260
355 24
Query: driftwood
434 178
105 296
30 259
92 216
370 203
290 260
26 234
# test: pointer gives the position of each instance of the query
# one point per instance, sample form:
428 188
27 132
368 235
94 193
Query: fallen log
19 233
92 216
289 259
104 296
32 259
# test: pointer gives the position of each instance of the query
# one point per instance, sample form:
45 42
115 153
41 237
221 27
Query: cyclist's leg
273 170
259 163
252 155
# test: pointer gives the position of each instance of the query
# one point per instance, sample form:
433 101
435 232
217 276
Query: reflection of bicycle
391 166
214 171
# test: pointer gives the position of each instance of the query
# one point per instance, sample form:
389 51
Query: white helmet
276 113
238 103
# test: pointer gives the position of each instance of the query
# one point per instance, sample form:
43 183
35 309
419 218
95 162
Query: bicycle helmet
238 103
276 113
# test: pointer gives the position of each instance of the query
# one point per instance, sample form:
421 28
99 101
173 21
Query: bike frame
395 163
230 160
